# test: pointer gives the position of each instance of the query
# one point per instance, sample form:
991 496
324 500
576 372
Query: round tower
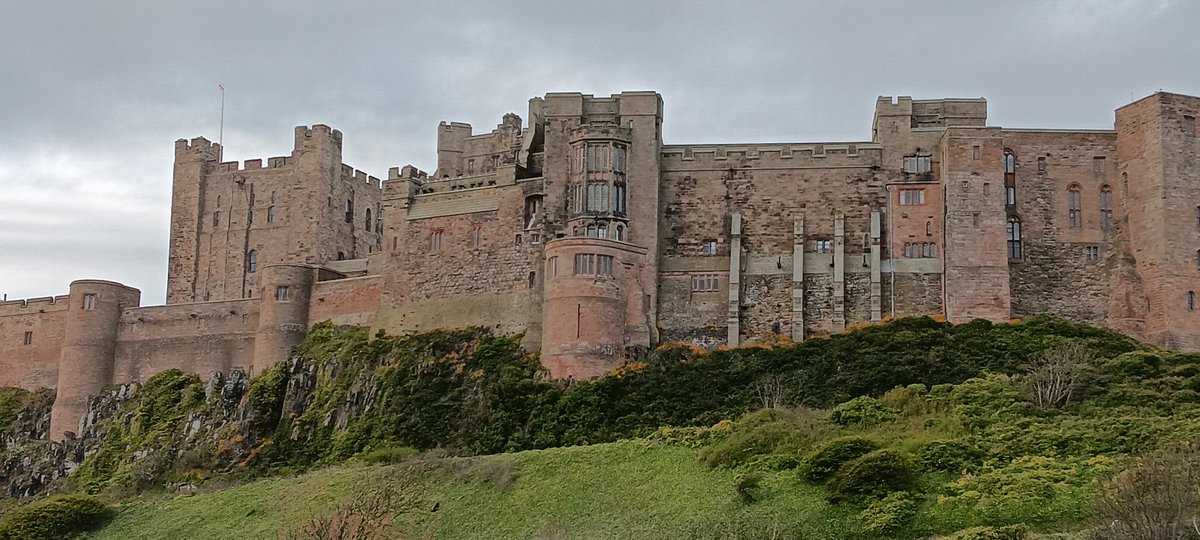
592 305
89 347
283 313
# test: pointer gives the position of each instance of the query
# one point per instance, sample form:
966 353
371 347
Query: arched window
1105 207
270 214
1010 195
1010 178
367 223
602 231
620 233
252 261
1010 162
435 240
532 279
1125 185
1191 301
1074 213
1014 238
928 228
341 256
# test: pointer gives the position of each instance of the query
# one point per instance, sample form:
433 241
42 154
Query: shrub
390 455
889 515
827 458
952 456
1057 374
747 487
61 516
1159 498
1012 532
759 435
874 475
862 411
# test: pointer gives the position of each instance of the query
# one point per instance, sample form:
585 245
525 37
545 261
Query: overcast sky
93 94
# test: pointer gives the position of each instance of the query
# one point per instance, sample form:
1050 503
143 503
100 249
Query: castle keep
582 229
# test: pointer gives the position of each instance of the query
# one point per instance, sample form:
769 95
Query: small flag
221 87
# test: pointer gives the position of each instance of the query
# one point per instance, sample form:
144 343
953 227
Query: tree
1056 374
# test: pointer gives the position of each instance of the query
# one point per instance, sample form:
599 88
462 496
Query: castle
580 228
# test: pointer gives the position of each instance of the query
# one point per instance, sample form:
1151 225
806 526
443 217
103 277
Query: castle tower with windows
580 229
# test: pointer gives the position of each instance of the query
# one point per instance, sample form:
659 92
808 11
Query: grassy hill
912 429
628 489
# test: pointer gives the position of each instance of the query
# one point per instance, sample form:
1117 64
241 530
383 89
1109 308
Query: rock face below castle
580 228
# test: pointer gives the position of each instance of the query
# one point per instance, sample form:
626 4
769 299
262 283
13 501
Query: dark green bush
830 455
390 455
1012 532
862 411
61 516
951 456
748 487
873 476
890 515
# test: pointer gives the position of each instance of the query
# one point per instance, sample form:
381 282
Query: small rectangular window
1041 164
708 247
470 166
912 197
1098 165
975 153
89 301
435 240
1189 125
1092 253
824 246
706 282
217 218
917 164
281 293
28 338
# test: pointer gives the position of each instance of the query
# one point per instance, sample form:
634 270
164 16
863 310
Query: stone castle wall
714 244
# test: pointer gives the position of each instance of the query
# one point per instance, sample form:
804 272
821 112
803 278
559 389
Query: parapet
198 147
933 113
306 135
831 154
350 174
32 305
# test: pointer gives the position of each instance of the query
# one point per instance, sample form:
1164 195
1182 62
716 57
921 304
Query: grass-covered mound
910 429
479 393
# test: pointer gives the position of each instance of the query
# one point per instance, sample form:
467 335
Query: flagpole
221 130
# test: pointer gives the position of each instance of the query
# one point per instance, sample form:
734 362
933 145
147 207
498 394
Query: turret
89 347
192 162
451 143
283 314
593 306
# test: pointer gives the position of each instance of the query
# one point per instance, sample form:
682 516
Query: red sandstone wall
1054 275
346 301
34 365
463 283
198 338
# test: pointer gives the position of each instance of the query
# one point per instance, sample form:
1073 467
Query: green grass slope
628 489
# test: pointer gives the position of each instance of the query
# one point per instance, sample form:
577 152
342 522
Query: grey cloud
94 93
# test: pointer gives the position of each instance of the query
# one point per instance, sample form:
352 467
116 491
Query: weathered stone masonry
581 229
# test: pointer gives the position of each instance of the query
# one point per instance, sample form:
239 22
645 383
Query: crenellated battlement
350 174
820 154
197 147
306 135
25 306
254 165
